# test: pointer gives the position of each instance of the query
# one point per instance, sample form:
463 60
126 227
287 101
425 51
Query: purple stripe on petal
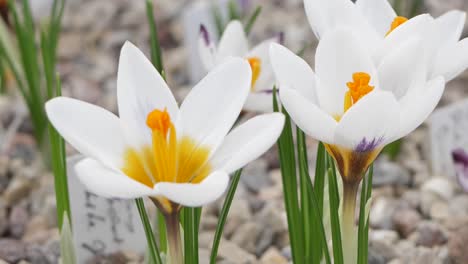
460 157
365 145
205 34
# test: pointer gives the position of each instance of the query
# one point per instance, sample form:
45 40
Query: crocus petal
194 195
109 183
92 130
206 48
418 106
308 116
451 61
140 90
373 119
415 27
248 141
339 55
266 79
233 42
211 108
379 13
327 15
261 102
293 72
402 68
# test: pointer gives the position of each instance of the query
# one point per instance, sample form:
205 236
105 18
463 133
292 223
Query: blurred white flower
177 156
383 32
233 43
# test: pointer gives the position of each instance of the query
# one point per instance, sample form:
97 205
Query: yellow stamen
256 66
358 88
398 21
168 158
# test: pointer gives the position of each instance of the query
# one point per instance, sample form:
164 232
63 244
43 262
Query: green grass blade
162 232
252 19
233 10
289 178
362 223
67 248
190 225
334 214
320 174
156 55
154 256
223 215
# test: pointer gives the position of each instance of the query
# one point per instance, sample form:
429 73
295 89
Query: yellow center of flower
256 66
358 88
169 158
398 21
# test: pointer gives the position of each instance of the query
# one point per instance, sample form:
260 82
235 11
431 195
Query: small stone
457 245
19 217
390 173
458 206
406 221
381 213
246 236
388 236
36 224
3 218
440 186
273 256
255 176
239 213
16 190
231 252
430 234
381 251
440 210
12 250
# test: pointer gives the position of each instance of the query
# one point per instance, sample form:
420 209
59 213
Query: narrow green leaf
252 19
152 247
233 10
362 222
218 19
162 232
289 178
334 214
415 8
223 215
190 225
67 248
156 55
393 149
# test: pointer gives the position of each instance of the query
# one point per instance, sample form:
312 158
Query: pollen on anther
159 120
398 21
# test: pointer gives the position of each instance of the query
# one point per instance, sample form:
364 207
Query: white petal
451 61
339 55
310 118
293 72
109 183
327 15
372 120
261 102
206 48
415 27
194 195
211 108
248 141
233 42
379 13
403 68
266 79
92 130
140 90
419 105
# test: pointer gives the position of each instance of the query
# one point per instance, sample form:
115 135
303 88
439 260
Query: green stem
348 234
173 237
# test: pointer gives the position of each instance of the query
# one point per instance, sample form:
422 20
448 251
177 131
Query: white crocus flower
233 43
382 31
177 156
352 106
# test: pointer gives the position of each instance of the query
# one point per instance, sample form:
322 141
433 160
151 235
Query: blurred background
418 215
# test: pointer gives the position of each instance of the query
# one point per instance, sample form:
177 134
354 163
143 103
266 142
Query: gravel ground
416 216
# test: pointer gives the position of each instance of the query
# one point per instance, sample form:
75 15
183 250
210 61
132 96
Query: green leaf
154 255
156 55
223 215
289 178
67 249
393 149
233 10
252 19
334 214
190 225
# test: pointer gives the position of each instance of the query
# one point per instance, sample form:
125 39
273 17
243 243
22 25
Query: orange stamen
159 120
358 88
398 21
256 66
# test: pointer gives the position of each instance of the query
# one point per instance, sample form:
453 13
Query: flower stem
173 236
348 234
